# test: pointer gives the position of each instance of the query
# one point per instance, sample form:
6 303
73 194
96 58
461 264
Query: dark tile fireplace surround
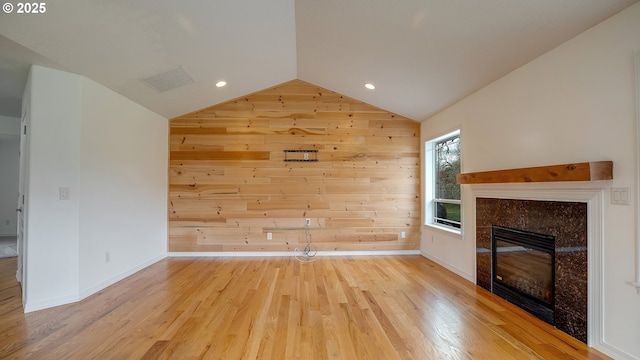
567 221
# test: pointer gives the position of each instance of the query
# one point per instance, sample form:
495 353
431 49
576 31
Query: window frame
430 217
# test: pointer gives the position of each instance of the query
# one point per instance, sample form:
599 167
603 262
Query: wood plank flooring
383 307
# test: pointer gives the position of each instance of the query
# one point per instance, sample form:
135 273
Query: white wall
574 104
123 181
111 154
9 173
9 127
54 154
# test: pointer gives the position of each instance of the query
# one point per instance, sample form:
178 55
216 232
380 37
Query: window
443 206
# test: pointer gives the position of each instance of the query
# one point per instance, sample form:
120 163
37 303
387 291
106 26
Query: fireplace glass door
523 269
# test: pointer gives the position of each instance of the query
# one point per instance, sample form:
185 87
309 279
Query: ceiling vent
168 80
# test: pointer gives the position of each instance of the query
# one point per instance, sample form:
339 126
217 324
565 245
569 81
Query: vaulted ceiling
422 55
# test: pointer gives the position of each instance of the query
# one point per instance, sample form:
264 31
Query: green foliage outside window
447 191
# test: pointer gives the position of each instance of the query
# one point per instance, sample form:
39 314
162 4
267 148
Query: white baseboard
614 352
49 303
291 253
449 267
63 300
95 288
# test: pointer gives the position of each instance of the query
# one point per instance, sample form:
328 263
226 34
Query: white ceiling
423 55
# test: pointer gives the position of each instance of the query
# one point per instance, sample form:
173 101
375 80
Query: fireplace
523 270
566 221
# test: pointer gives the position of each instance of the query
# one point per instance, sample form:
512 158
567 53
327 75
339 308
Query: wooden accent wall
229 184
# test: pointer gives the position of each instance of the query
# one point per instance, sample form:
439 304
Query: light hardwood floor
384 307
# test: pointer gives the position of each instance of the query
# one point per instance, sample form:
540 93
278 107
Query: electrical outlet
308 222
403 235
269 236
306 156
107 257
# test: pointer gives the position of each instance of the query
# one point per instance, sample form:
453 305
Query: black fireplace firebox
523 270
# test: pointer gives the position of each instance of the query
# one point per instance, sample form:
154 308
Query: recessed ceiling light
369 86
221 83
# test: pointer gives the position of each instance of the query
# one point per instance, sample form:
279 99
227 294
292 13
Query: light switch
620 196
64 193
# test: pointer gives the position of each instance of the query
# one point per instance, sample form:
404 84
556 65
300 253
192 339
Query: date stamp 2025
24 8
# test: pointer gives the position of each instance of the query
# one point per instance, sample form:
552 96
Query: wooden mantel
587 171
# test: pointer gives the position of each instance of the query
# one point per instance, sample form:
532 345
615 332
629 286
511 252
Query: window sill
445 230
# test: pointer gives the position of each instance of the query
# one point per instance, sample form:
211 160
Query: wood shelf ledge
587 171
